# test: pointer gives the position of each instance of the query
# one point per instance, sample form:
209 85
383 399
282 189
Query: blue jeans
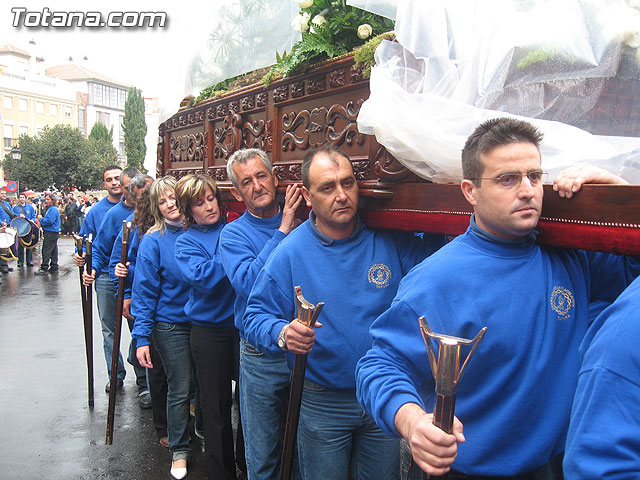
106 299
336 435
174 346
264 393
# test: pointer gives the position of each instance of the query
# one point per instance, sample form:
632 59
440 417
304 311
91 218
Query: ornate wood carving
297 89
288 172
386 167
268 136
219 173
262 99
160 154
337 78
281 93
248 103
356 74
211 113
221 110
253 134
362 170
188 148
234 106
316 84
200 116
228 138
336 124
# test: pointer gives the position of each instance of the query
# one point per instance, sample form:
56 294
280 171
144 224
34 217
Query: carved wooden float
293 115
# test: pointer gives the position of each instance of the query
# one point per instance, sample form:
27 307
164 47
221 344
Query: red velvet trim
620 240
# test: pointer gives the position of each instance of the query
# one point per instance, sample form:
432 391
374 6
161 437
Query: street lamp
16 155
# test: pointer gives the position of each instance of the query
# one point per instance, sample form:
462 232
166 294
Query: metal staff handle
308 313
446 372
88 336
117 330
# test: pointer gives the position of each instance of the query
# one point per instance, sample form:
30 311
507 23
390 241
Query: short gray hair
139 181
241 157
129 173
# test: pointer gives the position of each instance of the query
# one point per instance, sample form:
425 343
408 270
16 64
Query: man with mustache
356 271
515 397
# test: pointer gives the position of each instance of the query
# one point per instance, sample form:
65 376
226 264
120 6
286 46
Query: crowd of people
210 302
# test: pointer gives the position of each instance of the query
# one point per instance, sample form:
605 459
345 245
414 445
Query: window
24 130
68 112
81 121
121 127
122 98
114 98
53 109
8 136
23 104
103 118
97 94
7 102
40 107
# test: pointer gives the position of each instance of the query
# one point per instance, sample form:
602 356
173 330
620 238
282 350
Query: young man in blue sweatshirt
603 441
6 215
103 245
245 245
50 224
24 210
356 271
515 396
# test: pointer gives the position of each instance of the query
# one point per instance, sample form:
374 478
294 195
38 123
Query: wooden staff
117 330
89 313
88 336
307 315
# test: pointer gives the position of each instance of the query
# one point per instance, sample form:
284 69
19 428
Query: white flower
364 31
305 3
301 22
317 21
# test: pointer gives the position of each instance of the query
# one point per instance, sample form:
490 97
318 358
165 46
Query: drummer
24 210
6 215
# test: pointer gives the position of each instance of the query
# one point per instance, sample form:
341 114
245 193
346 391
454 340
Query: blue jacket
515 395
159 292
211 296
356 277
30 213
94 218
245 245
132 253
109 229
4 216
50 222
603 440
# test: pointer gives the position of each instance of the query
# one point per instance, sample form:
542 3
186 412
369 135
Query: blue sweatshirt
4 216
245 245
93 219
211 296
603 440
51 220
515 395
159 292
356 277
30 213
132 252
109 229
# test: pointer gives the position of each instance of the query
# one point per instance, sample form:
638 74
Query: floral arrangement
329 28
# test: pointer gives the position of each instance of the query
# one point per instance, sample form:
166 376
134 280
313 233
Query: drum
9 244
28 232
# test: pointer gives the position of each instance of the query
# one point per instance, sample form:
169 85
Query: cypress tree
135 129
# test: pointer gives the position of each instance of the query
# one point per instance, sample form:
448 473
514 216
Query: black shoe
144 400
20 265
119 385
41 272
6 269
29 264
53 270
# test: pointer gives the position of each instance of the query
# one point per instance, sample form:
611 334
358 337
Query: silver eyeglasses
509 180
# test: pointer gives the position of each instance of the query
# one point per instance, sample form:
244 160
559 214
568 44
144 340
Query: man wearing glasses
515 398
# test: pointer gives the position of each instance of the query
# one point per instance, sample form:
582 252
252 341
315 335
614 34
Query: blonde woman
158 297
214 338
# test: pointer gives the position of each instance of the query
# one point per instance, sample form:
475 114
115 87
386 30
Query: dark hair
329 150
492 134
142 216
110 167
129 172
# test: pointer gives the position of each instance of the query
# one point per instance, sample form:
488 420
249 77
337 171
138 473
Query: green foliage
99 131
58 156
364 55
337 36
135 129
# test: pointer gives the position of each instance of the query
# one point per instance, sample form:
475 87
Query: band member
214 338
516 394
6 215
245 245
50 224
158 297
356 271
24 210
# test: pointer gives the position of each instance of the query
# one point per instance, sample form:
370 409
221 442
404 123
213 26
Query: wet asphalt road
47 431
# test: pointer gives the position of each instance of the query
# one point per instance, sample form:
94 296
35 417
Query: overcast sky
154 59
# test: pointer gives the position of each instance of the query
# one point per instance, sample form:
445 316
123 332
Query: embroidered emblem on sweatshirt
379 274
562 302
